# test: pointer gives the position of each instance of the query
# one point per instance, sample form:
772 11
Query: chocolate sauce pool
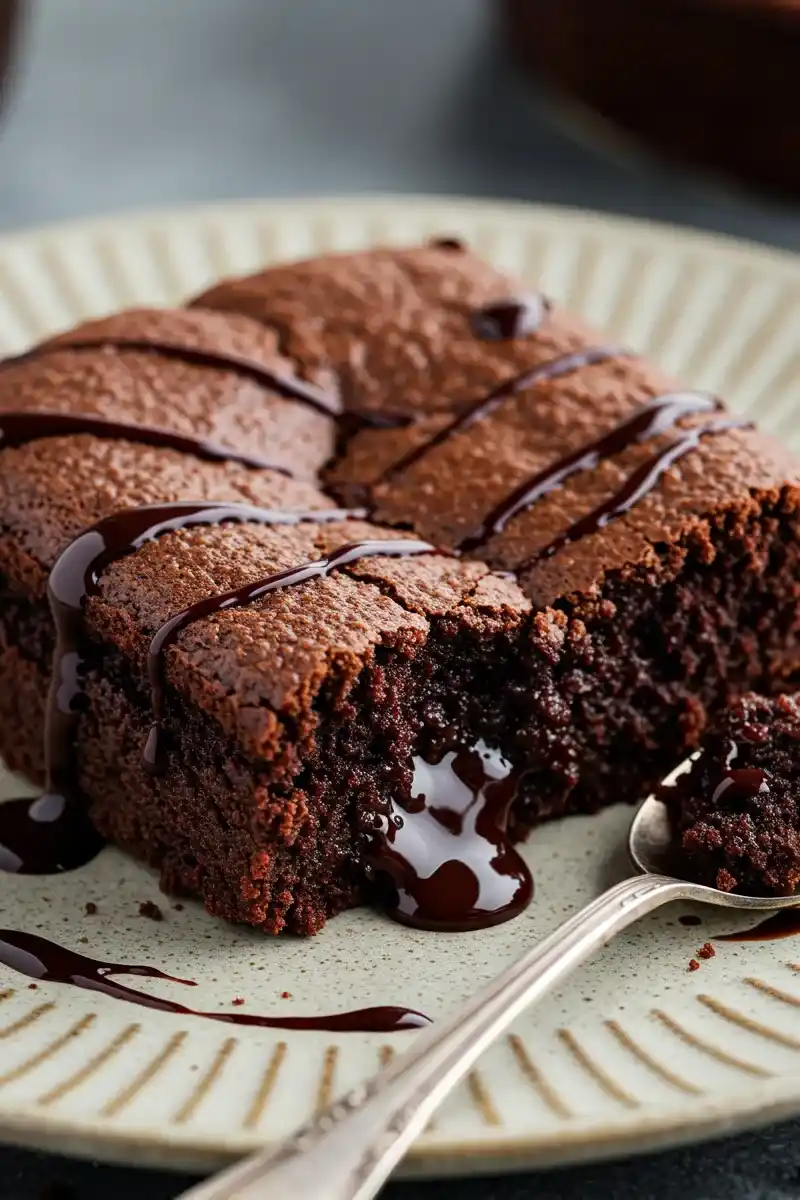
783 923
41 959
443 856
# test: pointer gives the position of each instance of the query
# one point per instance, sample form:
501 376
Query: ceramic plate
635 1052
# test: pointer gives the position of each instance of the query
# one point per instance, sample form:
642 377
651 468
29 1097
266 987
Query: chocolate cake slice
285 725
736 813
535 570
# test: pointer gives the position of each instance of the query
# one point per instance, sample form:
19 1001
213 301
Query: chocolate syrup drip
41 959
739 783
19 428
635 487
507 319
448 243
443 857
484 407
783 923
46 836
653 418
289 386
689 919
240 597
53 833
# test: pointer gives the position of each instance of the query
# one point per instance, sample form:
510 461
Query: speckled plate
635 1052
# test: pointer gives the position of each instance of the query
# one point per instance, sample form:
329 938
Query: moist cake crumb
706 951
694 965
736 812
150 910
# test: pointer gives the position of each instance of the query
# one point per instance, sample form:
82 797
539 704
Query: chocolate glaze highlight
19 428
487 404
41 959
635 487
741 783
511 318
239 597
448 243
654 417
443 859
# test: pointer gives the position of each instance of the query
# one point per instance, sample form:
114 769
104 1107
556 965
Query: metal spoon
349 1151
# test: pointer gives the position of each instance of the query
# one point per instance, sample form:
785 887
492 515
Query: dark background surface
124 104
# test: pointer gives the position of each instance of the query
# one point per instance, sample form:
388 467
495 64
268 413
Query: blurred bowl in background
9 22
713 82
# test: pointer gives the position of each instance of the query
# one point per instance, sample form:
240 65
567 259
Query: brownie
640 629
624 58
285 720
736 812
605 562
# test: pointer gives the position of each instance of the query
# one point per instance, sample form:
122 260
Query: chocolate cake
713 82
737 811
534 570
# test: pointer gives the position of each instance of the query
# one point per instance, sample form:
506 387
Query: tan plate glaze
635 1052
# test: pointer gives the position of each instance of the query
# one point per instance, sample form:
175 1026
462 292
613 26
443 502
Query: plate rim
630 228
196 1149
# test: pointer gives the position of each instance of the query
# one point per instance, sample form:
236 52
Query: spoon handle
348 1151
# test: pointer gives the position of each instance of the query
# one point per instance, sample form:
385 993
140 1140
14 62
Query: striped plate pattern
635 1051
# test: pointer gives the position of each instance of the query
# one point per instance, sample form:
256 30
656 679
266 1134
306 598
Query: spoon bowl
348 1151
652 850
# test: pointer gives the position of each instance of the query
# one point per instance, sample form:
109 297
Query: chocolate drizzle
740 783
41 959
484 407
635 487
653 418
443 859
512 318
289 386
19 428
457 245
165 636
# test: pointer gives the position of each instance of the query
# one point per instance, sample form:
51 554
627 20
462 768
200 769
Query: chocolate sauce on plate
689 920
19 428
443 859
783 923
41 959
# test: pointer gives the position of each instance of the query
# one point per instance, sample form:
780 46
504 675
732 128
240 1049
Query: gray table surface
123 104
